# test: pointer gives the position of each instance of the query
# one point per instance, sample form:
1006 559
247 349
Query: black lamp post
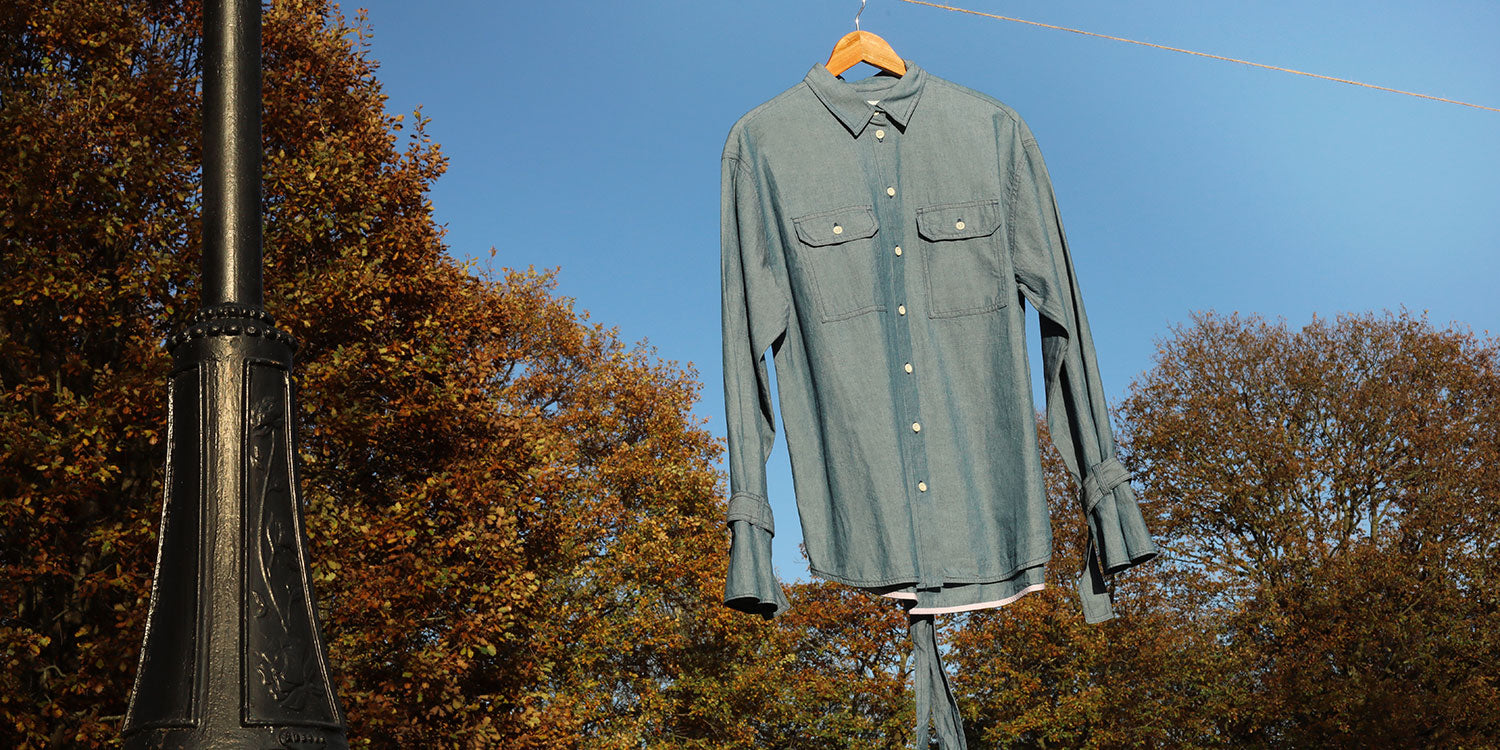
232 657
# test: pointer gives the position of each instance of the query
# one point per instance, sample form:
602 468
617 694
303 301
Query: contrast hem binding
963 607
748 506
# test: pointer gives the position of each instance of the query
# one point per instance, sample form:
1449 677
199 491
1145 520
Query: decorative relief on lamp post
232 657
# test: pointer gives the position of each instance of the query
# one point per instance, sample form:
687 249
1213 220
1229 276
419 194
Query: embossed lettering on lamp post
232 656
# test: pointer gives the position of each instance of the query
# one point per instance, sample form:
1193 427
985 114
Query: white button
840 230
908 367
916 426
890 191
898 249
921 486
959 225
880 134
901 309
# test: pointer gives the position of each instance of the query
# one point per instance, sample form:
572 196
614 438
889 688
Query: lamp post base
232 656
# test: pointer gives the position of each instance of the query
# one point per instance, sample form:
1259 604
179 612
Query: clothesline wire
1199 54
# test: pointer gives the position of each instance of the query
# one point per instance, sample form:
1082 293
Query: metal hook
856 15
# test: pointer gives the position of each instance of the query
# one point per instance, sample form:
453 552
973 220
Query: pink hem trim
963 607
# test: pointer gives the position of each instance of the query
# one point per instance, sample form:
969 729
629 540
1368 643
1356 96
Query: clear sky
586 136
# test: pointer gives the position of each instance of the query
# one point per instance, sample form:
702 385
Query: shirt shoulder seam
746 119
767 104
1003 108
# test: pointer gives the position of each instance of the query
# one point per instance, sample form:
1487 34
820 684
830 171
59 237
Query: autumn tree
844 673
516 526
97 230
1327 498
515 520
1034 674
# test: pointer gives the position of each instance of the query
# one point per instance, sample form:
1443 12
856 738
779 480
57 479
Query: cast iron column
232 657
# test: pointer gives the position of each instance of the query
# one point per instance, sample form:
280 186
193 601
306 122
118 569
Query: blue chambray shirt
881 238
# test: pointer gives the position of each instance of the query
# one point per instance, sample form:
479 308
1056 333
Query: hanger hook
856 15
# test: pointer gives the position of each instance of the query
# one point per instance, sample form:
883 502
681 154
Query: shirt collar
850 100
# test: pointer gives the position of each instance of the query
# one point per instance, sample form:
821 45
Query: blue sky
586 135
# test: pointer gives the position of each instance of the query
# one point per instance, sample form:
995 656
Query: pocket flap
838 225
957 221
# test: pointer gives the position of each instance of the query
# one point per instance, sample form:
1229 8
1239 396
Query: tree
516 526
97 238
1034 674
844 672
515 521
1325 500
1328 499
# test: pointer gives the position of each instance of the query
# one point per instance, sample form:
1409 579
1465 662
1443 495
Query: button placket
886 156
878 118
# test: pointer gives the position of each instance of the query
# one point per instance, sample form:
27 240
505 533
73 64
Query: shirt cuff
1117 536
1119 533
751 584
745 506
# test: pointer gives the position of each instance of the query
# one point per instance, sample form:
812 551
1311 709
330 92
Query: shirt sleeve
1077 415
755 312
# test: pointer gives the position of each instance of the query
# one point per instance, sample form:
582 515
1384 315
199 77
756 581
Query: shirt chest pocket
968 268
836 253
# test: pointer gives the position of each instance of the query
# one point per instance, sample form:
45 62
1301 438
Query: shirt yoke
737 131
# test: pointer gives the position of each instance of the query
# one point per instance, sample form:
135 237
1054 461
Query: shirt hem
963 607
912 579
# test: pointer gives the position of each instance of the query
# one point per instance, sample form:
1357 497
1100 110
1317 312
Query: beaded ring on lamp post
232 656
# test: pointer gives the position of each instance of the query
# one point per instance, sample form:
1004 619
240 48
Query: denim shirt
881 237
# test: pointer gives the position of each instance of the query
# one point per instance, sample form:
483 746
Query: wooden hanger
863 47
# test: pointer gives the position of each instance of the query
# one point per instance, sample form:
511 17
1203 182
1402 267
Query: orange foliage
516 524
